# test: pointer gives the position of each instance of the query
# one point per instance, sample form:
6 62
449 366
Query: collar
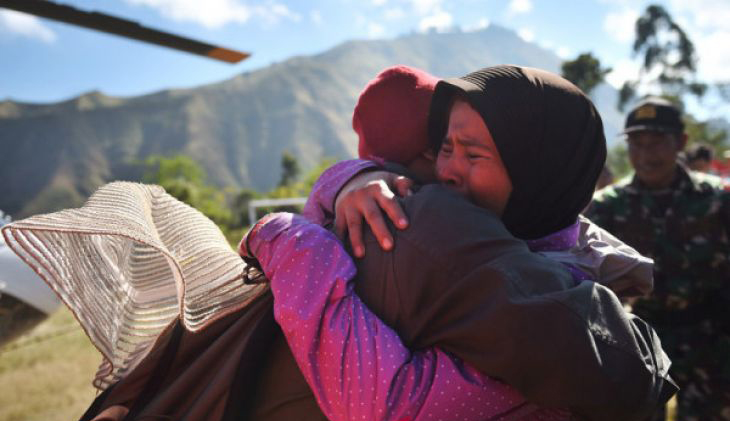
563 239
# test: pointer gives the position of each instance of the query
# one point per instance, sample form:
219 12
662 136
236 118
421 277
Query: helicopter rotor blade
122 27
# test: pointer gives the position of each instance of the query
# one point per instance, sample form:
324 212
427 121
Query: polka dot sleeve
320 204
357 366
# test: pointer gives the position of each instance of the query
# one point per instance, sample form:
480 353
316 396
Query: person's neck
664 184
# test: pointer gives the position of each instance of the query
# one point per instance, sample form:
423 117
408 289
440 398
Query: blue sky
45 61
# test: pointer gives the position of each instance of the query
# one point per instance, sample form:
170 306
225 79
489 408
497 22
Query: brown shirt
458 280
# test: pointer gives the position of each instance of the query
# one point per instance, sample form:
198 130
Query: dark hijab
548 133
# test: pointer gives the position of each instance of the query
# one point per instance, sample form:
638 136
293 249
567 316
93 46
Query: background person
681 219
699 158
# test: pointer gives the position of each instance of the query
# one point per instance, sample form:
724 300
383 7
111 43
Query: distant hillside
53 156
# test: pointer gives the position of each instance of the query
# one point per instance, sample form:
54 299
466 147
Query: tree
669 57
184 179
585 72
702 131
618 160
239 206
289 169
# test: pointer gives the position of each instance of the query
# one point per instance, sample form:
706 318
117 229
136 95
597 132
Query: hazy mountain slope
53 156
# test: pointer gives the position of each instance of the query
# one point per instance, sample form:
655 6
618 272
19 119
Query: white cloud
426 7
217 13
617 3
379 2
26 26
621 71
713 58
274 13
316 17
620 25
705 21
394 13
483 23
708 14
375 30
517 7
526 34
564 53
440 20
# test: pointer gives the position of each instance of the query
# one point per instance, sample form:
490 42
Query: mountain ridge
57 154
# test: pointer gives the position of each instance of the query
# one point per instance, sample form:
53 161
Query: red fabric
391 115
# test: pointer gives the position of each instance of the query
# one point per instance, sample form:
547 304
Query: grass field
46 374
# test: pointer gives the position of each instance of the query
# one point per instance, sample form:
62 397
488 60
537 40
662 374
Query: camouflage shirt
685 229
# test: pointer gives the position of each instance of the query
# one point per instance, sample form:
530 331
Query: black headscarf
548 133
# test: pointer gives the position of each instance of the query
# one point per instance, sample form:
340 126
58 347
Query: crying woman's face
469 161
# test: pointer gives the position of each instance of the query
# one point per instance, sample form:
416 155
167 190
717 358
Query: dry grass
46 374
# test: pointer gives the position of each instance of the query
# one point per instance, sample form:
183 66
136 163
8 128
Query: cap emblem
645 112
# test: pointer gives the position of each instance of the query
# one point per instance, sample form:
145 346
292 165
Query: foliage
669 57
299 188
289 169
585 72
239 206
184 179
618 160
669 62
177 168
701 131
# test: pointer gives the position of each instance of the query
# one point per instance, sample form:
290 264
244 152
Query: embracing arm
356 191
356 365
320 206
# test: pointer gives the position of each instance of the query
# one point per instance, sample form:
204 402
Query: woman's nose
448 172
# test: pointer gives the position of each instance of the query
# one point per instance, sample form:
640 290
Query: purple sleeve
357 366
320 205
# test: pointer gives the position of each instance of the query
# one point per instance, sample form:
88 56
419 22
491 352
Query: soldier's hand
363 197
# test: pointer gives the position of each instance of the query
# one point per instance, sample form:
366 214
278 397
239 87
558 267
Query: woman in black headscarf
549 137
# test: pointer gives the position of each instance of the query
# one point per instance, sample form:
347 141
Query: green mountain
53 156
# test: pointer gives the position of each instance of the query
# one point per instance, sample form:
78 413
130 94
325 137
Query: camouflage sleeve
600 210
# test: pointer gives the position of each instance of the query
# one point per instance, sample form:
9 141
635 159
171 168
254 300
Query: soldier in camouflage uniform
681 219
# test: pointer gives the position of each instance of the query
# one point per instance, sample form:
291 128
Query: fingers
367 199
403 186
393 209
354 229
374 217
340 226
362 204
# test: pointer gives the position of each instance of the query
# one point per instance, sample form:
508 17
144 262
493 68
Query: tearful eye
478 156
